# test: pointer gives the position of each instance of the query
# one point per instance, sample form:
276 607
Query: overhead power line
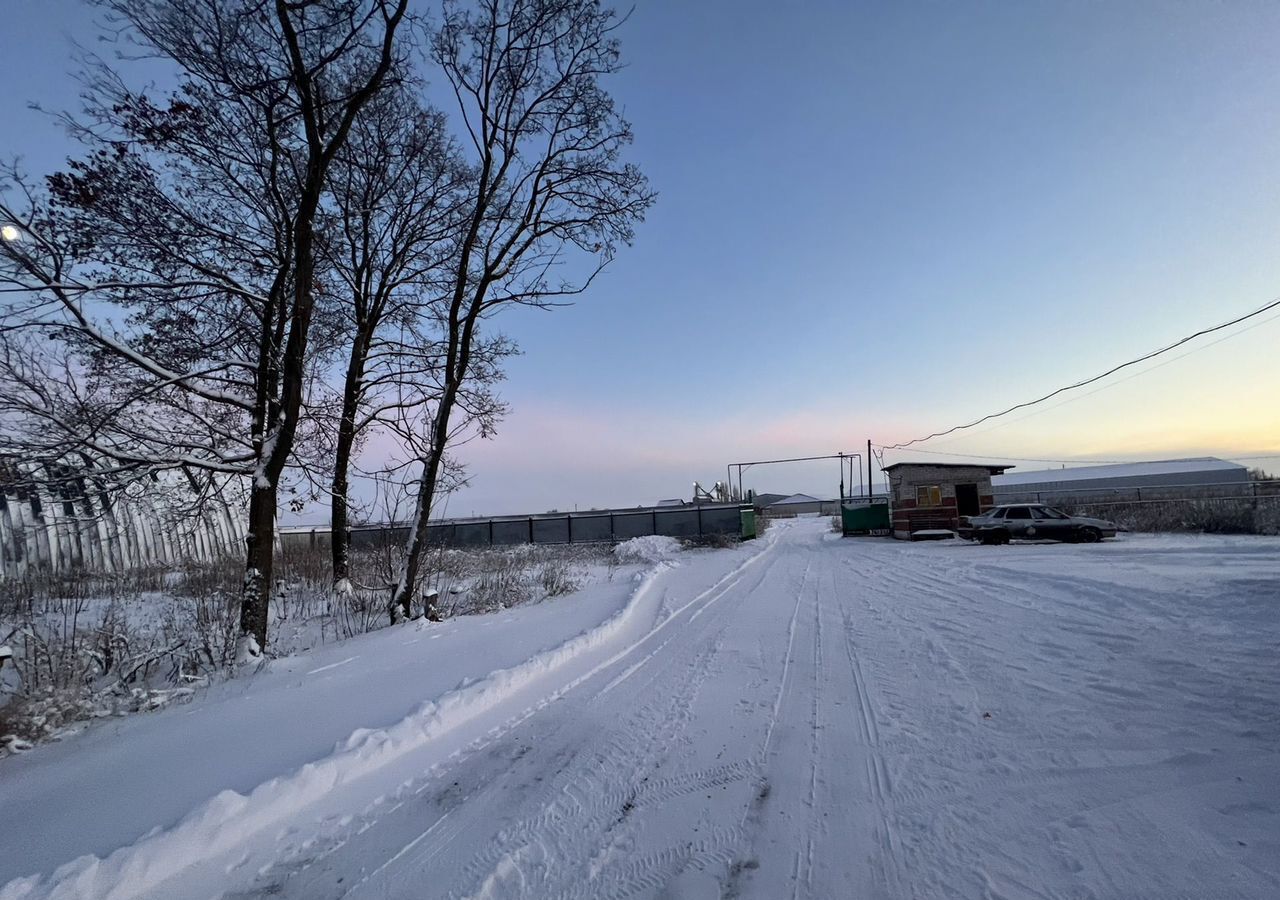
1079 384
1257 323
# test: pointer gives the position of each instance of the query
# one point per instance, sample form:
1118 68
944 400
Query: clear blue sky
878 219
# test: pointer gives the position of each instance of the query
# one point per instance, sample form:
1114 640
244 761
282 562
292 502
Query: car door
1018 520
1047 524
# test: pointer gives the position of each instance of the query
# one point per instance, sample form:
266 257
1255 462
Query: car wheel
993 538
1089 535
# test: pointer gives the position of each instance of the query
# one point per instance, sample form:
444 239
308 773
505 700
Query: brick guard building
929 498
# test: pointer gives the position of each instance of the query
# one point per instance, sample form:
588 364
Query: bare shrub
557 576
506 583
478 581
713 541
1233 515
87 646
80 658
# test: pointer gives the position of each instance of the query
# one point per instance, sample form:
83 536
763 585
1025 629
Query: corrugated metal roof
796 498
1122 470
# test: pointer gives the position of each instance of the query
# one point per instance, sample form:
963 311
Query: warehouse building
1206 472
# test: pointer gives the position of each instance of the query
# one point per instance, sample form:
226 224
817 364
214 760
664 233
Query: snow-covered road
809 717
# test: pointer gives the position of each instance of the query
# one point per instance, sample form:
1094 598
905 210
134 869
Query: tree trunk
255 595
402 596
339 539
339 487
339 543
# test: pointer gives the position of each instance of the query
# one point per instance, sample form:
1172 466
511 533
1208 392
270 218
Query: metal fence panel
632 525
511 531
721 520
551 531
471 534
678 522
378 538
592 528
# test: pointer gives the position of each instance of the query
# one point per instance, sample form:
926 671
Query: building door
967 499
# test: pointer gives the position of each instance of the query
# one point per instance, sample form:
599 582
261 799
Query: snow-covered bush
484 580
506 582
650 548
558 576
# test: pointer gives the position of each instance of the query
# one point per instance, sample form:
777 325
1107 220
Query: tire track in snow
569 809
591 805
888 861
640 872
752 821
816 726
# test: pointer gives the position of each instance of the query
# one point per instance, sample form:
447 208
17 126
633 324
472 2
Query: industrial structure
78 517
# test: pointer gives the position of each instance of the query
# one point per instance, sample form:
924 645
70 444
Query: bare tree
396 211
548 183
195 217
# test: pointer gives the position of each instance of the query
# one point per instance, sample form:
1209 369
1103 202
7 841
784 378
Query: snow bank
225 821
650 548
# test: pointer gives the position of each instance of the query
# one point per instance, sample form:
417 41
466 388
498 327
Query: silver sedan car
1035 521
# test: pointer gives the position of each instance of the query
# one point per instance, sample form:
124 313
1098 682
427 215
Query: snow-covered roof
1122 470
991 467
796 498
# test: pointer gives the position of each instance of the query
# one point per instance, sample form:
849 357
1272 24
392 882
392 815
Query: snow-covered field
802 716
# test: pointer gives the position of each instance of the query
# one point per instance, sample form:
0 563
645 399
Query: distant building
674 501
798 504
1081 481
928 499
763 501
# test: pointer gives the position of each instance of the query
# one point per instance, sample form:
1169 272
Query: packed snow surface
802 716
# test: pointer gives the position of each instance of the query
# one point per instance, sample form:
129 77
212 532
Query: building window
928 495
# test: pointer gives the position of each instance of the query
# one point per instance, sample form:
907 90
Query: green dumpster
748 523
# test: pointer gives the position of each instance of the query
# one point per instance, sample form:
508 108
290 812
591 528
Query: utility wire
1130 377
1079 384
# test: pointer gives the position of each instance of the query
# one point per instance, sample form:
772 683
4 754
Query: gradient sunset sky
879 220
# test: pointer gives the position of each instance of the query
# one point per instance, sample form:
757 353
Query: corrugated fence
592 526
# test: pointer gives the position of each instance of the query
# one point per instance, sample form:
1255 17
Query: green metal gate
865 518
